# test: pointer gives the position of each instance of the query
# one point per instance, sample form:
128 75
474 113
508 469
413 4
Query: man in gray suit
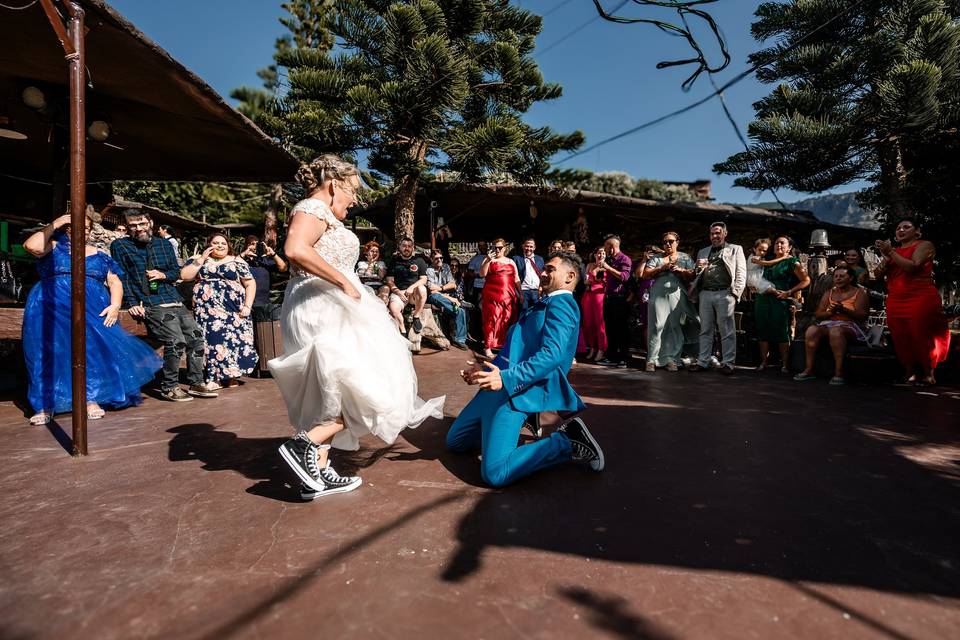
721 278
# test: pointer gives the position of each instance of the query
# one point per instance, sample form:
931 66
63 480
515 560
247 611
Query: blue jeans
458 312
530 297
489 423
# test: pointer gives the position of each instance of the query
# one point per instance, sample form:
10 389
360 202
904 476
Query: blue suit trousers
489 423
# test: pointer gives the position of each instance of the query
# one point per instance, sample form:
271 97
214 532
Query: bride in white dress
345 370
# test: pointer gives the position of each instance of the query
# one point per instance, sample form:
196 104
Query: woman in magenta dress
499 302
593 335
921 336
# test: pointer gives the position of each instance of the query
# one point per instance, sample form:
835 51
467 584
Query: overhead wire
735 80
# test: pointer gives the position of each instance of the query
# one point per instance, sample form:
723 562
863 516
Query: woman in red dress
918 327
593 334
499 301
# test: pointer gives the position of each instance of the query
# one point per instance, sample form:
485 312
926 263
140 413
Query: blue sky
608 73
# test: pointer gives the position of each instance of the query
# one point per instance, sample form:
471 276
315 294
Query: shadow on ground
255 458
773 496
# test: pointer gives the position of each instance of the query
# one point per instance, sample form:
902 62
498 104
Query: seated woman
841 313
372 270
118 364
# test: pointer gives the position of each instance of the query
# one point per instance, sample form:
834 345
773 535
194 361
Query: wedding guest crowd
686 306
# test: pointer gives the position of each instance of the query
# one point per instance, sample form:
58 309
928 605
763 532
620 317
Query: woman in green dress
772 309
670 314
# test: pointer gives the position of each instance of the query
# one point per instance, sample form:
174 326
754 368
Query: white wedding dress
343 357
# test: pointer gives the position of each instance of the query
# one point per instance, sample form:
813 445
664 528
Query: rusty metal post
78 240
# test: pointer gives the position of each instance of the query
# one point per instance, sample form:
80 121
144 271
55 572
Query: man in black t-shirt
407 279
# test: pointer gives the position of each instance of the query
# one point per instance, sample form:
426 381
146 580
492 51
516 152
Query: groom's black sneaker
337 483
301 454
583 446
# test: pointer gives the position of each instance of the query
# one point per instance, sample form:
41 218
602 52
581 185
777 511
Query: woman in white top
333 330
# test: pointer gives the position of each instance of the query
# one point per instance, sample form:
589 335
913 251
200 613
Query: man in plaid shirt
150 270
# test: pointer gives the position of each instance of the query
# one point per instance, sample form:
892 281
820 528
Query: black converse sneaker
340 484
301 454
584 447
337 483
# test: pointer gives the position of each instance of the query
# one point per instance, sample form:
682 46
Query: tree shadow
296 585
779 494
612 614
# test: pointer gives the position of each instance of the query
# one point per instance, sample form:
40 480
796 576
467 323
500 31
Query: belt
716 289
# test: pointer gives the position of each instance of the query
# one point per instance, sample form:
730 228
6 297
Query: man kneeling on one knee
527 377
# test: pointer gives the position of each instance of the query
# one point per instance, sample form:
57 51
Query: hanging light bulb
533 209
98 130
34 98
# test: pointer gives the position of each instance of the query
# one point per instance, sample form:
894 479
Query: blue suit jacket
521 263
537 354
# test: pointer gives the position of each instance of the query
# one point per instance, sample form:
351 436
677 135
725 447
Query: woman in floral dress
222 299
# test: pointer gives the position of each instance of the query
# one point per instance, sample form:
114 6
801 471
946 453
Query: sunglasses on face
500 248
669 241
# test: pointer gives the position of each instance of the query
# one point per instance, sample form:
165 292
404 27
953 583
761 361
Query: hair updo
323 169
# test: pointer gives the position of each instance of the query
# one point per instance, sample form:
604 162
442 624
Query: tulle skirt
118 364
343 357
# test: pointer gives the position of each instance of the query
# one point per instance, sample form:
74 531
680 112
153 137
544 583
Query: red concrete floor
748 507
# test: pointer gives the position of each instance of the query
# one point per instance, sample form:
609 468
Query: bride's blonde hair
323 169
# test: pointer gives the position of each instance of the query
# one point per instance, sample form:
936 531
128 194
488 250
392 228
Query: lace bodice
338 245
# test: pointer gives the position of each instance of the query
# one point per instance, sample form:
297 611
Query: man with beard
150 270
407 279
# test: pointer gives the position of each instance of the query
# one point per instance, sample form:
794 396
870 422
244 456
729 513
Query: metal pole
78 240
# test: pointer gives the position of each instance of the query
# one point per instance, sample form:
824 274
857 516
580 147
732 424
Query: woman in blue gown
118 364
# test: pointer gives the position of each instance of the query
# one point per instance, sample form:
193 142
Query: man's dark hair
136 213
570 259
405 239
612 236
719 223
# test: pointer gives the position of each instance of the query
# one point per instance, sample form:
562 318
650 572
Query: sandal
40 418
837 381
95 414
803 377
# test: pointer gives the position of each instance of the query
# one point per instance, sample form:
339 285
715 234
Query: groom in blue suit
529 376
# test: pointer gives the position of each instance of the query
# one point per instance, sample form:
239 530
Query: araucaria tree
866 88
420 85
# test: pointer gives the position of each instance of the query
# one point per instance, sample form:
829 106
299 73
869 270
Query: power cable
735 80
683 8
557 8
575 31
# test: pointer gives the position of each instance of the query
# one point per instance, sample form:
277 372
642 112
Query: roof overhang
484 211
167 122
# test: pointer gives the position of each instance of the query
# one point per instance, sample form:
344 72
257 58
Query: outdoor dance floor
744 507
